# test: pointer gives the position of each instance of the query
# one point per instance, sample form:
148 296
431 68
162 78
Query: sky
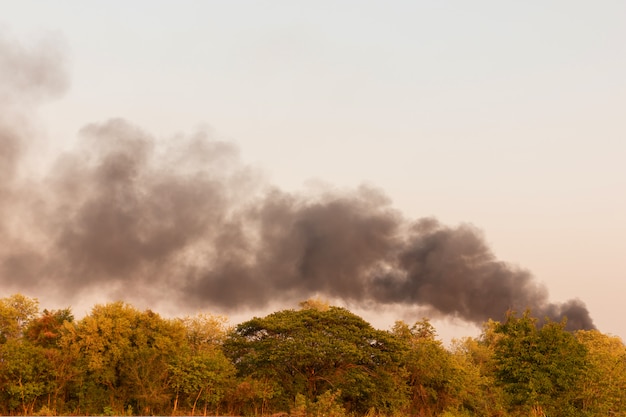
506 116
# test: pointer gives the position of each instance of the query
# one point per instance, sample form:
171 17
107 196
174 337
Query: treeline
318 360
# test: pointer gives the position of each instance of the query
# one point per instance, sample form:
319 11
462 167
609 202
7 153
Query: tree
16 312
539 368
200 377
101 341
123 355
312 351
144 372
205 330
436 378
45 330
25 375
200 374
478 394
603 386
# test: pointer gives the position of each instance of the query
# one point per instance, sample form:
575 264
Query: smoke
185 221
28 74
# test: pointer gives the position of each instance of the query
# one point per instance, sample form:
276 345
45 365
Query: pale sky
510 116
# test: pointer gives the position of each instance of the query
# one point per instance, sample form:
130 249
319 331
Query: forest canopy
318 360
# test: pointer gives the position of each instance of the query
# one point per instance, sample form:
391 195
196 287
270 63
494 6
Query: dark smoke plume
185 221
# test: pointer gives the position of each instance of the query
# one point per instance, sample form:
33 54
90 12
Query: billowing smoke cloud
185 221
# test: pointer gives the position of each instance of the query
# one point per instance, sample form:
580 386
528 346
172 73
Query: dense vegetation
315 361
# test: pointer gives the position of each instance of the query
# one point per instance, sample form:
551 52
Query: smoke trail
186 221
29 74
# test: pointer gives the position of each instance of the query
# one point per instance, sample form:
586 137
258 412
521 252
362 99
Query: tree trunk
193 410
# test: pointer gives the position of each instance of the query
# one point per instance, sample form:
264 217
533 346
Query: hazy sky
510 116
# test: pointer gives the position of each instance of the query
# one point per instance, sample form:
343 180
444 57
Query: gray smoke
185 221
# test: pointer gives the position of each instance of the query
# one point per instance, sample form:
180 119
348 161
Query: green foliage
311 351
328 404
316 361
539 368
200 377
25 375
124 354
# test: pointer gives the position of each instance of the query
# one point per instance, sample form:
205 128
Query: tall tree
200 378
154 342
478 394
539 368
45 332
438 379
603 386
200 374
16 312
124 355
25 376
313 350
101 341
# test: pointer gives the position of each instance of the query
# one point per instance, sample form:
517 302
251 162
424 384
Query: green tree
311 351
154 342
539 368
200 374
25 376
101 342
200 377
